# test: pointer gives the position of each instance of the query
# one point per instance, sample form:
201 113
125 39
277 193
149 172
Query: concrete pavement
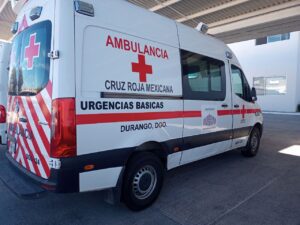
226 189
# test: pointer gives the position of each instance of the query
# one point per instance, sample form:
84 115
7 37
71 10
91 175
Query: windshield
29 63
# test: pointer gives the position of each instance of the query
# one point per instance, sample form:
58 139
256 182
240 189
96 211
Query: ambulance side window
240 85
203 77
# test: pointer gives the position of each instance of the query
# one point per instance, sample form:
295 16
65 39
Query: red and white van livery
4 63
104 94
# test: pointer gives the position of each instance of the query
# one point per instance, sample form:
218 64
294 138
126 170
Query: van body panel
153 105
63 36
211 133
124 54
99 179
195 41
130 19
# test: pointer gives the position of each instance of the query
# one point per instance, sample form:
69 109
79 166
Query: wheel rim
144 182
254 142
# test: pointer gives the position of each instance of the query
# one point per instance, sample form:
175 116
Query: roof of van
195 41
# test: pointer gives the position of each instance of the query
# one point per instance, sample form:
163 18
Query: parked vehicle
4 63
104 94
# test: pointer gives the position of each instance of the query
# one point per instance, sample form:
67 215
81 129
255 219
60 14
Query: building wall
4 63
298 77
273 59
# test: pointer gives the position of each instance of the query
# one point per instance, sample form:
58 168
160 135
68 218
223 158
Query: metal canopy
7 17
229 20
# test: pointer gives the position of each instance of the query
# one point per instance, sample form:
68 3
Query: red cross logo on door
32 51
243 111
142 68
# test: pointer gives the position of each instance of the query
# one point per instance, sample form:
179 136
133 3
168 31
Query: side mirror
253 95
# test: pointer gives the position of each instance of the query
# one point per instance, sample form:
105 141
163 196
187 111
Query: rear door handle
236 106
43 123
23 119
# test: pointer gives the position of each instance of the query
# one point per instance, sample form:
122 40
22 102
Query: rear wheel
142 181
253 143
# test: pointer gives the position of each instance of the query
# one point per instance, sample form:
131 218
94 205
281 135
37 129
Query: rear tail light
2 114
63 130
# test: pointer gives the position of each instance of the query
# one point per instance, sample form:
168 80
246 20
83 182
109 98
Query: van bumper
62 180
67 178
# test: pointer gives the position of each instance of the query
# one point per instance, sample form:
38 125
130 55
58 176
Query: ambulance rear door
30 88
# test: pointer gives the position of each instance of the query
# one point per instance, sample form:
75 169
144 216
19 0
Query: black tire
252 146
143 181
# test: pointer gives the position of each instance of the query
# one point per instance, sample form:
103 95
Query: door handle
43 123
236 106
224 105
23 119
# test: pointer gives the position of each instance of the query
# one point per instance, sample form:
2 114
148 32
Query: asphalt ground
227 189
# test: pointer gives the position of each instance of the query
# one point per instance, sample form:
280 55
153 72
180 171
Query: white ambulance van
4 63
106 95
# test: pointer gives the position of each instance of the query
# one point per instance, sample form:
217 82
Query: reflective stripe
126 117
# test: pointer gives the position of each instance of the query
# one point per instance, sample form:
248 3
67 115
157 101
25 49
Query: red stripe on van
190 114
251 111
224 112
24 156
127 117
49 88
40 130
30 151
16 152
230 112
44 109
34 142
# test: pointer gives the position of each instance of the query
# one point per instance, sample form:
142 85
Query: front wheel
142 181
252 146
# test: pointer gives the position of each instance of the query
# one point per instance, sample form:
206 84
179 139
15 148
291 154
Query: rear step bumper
22 186
63 181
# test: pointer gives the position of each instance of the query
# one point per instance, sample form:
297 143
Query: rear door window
30 64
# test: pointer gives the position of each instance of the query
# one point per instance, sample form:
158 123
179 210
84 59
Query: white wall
4 63
298 74
273 59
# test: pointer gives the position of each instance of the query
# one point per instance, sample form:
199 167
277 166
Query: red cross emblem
142 68
32 51
243 111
